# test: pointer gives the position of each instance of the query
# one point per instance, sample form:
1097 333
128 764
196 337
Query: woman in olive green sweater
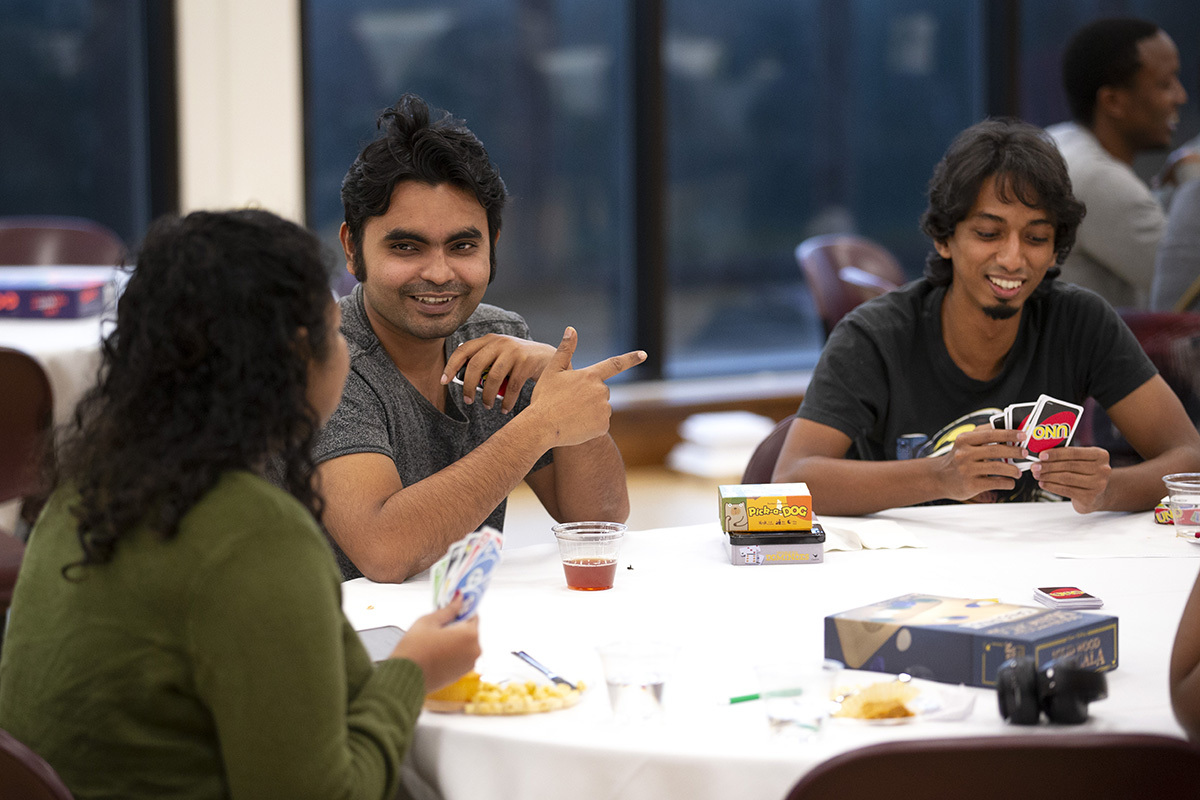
177 630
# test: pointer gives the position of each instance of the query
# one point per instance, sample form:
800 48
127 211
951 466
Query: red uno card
1052 424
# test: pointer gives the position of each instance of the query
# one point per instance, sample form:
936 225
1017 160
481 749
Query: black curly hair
424 146
205 372
1028 168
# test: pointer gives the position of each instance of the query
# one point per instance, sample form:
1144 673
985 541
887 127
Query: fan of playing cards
1048 423
466 570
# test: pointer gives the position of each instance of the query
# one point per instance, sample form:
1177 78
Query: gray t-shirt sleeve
359 425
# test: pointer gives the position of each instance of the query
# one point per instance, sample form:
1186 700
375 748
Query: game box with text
752 507
958 640
59 292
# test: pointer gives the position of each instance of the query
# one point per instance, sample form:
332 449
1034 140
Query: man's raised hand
575 401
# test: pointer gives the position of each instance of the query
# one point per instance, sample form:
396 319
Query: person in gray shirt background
1177 265
1121 78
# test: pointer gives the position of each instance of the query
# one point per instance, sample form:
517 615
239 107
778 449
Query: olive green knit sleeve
299 710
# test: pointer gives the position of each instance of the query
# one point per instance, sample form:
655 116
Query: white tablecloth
677 584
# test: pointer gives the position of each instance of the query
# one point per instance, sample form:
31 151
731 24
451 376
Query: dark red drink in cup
589 553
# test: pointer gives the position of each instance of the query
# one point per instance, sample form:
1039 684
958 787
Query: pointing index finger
615 365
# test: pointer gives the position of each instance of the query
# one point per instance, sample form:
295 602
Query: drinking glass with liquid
589 553
636 674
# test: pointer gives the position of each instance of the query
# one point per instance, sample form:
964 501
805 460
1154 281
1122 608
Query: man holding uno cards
988 326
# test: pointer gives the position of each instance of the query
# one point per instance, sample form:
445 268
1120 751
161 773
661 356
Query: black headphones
1062 689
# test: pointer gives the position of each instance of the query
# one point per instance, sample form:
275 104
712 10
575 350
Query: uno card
466 570
1052 424
1066 597
477 577
1018 415
1000 421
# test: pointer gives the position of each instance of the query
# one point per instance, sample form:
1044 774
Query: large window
779 121
789 120
544 85
85 115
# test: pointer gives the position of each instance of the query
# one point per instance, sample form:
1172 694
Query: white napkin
869 534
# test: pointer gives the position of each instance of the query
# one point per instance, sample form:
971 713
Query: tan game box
750 507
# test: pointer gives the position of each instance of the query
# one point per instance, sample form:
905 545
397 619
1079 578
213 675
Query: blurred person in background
1121 77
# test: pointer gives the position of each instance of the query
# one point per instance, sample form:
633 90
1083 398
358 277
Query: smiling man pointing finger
412 461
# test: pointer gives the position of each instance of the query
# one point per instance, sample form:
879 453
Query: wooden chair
761 466
24 775
843 271
1098 766
40 241
26 413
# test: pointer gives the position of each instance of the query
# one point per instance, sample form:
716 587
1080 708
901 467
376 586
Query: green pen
781 693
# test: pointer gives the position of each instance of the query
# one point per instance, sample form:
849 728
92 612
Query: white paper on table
869 534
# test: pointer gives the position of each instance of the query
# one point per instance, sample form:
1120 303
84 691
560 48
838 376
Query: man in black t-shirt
987 326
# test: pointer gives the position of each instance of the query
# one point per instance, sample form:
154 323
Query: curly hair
416 147
205 372
1103 53
1028 168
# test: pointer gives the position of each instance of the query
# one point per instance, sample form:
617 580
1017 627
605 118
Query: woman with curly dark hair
177 627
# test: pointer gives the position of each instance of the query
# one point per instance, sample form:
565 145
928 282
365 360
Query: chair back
44 241
1172 341
1098 766
26 414
24 775
843 271
761 466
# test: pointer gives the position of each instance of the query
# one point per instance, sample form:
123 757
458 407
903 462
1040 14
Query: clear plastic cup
1183 496
589 553
636 674
797 695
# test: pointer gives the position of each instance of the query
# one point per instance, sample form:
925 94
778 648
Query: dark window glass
789 120
541 84
77 131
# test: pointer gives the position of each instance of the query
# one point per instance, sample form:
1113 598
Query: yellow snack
880 701
521 698
461 691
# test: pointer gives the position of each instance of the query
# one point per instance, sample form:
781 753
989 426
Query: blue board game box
55 292
957 640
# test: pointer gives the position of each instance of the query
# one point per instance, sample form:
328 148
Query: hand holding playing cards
1079 474
975 463
445 650
493 360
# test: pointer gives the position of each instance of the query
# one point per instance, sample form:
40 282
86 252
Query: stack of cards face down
1047 424
466 570
1066 597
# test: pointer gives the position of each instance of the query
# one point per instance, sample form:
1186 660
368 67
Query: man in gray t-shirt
413 461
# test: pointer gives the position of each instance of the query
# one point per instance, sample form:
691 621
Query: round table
677 585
